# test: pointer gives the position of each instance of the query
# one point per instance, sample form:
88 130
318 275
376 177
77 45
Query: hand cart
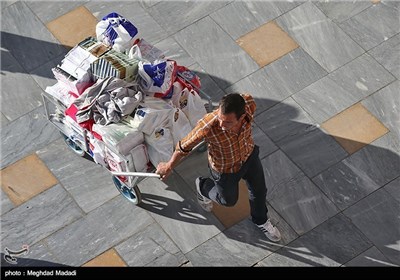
77 139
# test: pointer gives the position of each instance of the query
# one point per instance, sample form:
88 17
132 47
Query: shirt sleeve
186 144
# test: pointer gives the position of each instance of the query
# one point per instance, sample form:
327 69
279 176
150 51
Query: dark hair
232 103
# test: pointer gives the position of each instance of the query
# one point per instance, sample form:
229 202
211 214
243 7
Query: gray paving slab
26 135
168 261
271 85
283 120
376 212
31 46
385 105
101 229
333 243
174 206
208 83
319 36
176 15
148 3
147 247
392 4
387 148
38 218
43 75
364 75
370 258
241 245
174 51
133 11
89 184
394 188
47 11
213 49
3 119
343 87
38 255
340 11
241 17
324 99
373 25
5 203
294 132
293 195
193 166
362 173
387 54
5 4
19 92
313 151
263 141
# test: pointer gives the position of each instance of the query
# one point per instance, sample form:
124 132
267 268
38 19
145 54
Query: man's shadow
301 163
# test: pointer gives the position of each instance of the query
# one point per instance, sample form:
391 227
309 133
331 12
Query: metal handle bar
137 174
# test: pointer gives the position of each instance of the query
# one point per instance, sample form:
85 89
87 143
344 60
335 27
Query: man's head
231 111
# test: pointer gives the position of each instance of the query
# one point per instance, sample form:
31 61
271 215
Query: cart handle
137 174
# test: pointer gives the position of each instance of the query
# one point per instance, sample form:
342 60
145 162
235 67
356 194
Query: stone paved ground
325 76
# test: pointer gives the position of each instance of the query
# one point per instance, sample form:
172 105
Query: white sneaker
270 231
204 202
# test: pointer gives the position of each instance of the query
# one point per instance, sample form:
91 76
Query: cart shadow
29 53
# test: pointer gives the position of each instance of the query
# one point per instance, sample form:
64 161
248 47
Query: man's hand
164 169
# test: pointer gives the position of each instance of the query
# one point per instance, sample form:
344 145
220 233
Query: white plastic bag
139 158
180 125
98 150
191 104
145 51
159 145
116 31
158 77
148 119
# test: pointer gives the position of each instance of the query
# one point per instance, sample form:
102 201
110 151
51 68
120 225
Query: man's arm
165 168
183 148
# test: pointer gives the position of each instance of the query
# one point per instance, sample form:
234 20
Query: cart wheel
74 147
132 194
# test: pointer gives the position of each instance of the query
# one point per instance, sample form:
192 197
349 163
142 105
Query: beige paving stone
26 178
354 128
267 43
230 216
73 27
108 258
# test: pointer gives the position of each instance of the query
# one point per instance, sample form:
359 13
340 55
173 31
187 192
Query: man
232 155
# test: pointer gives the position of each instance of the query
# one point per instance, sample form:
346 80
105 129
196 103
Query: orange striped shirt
227 151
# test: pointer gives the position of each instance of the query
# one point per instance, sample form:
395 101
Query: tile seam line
305 175
85 216
337 23
173 33
25 154
359 229
279 146
328 77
